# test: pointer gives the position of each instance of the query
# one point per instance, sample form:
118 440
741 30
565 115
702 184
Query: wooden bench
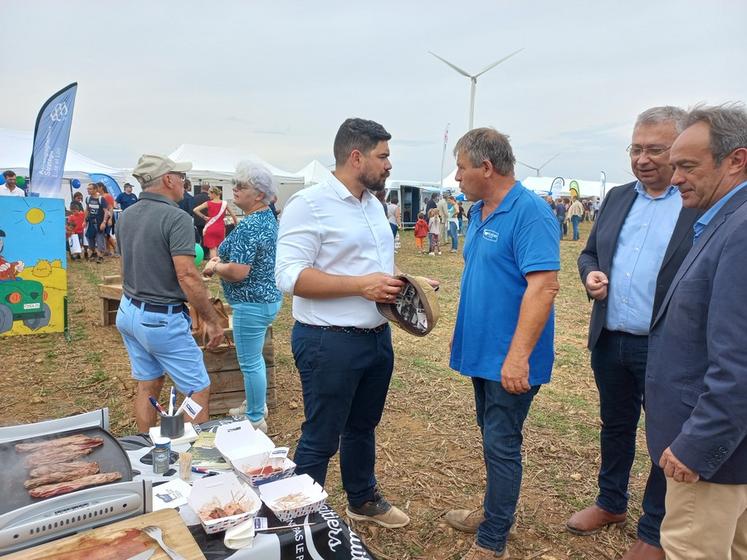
226 379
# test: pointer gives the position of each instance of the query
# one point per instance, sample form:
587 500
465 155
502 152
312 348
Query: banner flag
557 187
111 185
51 136
574 189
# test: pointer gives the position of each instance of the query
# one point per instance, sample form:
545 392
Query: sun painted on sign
33 275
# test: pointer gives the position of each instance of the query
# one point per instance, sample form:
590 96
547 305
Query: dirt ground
429 449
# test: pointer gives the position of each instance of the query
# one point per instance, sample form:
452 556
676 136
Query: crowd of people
663 265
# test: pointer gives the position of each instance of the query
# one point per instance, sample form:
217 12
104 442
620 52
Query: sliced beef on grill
45 470
80 440
51 490
55 455
62 475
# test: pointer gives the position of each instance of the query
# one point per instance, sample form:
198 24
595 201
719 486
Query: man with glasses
641 236
157 244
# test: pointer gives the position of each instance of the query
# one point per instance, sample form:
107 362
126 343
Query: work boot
643 551
468 520
479 553
593 519
379 511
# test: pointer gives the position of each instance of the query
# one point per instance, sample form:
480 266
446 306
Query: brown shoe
468 520
479 553
644 551
592 520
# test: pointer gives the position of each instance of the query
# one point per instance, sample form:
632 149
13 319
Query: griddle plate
110 457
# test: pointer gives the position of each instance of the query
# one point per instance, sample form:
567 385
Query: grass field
429 450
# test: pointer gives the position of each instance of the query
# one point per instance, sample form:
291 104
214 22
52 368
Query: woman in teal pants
246 267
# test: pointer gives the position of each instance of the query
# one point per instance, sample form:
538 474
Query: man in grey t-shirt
157 244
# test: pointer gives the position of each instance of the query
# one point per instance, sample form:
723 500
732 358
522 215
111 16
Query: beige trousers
705 521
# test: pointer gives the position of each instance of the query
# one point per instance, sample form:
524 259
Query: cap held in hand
415 309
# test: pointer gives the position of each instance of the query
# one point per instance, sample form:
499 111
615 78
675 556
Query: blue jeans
619 363
500 416
562 226
250 322
344 378
575 220
453 235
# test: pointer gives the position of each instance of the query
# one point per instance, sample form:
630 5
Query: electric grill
26 522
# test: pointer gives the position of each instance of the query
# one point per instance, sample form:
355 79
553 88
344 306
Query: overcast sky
277 77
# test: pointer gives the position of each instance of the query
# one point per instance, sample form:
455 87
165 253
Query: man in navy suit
696 380
638 241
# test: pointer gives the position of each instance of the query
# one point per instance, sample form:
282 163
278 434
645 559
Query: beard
374 183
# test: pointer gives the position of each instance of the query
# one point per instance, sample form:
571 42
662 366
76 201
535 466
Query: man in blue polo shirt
511 259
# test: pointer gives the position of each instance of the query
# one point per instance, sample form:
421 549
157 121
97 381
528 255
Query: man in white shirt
335 255
10 188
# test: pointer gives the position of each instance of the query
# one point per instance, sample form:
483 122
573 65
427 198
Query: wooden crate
226 379
110 293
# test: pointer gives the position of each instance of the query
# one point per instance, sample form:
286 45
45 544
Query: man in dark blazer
638 241
696 380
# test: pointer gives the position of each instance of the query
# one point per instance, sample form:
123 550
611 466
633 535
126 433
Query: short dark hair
9 173
358 134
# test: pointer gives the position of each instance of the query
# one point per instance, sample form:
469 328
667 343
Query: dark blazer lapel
682 229
616 221
718 220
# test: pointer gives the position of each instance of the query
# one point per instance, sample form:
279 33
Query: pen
157 406
172 400
206 472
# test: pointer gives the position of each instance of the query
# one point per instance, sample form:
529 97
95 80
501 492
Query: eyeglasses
653 151
182 176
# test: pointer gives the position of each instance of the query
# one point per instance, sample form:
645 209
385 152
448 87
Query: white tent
15 152
218 164
588 188
314 172
543 184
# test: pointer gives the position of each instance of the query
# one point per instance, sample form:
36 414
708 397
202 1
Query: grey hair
250 173
481 144
727 124
663 114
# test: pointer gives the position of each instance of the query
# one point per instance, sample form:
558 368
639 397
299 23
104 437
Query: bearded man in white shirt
335 255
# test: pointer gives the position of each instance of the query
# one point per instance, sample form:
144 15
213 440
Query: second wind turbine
473 80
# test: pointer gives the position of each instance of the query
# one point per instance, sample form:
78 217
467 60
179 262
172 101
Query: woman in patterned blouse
246 267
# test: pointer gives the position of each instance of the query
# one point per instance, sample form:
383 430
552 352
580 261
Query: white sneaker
241 410
261 425
431 254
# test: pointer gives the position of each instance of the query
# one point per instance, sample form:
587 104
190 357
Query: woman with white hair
246 267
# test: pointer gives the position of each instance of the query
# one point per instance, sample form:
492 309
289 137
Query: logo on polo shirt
490 235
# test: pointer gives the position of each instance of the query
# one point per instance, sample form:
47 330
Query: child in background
434 226
421 232
75 227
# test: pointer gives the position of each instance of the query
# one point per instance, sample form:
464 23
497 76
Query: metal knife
143 555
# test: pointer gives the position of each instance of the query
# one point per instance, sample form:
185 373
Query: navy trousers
619 363
345 378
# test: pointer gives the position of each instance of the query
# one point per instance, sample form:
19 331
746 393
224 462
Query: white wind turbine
538 169
473 80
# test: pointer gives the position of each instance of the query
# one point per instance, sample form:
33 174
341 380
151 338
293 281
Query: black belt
158 308
347 330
